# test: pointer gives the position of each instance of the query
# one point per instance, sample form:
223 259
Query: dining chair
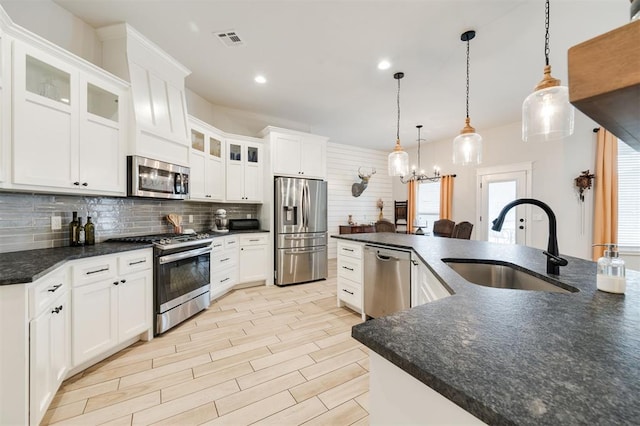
443 228
385 226
462 230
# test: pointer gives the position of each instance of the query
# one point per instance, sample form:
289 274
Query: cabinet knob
85 184
123 281
116 283
76 183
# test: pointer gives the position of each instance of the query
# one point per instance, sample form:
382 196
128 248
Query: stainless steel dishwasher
387 281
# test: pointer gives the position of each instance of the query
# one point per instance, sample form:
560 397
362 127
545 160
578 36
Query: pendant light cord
467 78
546 36
419 169
398 103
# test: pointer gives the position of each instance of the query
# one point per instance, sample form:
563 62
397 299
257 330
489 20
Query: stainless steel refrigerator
301 230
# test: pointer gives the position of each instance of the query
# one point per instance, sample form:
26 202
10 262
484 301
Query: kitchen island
514 356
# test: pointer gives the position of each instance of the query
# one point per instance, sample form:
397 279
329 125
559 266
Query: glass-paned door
252 154
496 191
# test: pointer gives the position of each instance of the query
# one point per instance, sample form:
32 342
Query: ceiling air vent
229 38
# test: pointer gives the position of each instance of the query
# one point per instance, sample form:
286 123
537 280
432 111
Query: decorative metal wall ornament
358 188
584 182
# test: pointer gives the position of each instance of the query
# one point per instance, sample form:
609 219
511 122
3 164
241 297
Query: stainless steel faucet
554 261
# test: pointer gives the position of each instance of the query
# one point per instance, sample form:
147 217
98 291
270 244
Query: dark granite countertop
244 231
514 356
29 265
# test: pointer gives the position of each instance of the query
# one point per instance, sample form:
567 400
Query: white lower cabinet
49 344
254 253
224 264
111 302
425 287
350 276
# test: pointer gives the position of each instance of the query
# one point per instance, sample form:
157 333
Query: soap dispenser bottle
611 274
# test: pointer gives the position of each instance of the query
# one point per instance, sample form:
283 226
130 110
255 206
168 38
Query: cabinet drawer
230 242
217 245
139 260
94 269
350 269
350 293
46 289
350 250
253 239
224 260
226 278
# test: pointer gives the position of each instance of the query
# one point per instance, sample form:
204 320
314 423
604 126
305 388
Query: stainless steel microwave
156 179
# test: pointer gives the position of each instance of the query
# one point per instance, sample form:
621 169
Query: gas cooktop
167 241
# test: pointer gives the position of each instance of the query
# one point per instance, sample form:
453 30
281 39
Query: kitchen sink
503 275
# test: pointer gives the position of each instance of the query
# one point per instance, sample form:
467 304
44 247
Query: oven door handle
183 255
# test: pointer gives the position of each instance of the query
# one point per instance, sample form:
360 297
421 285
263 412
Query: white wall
58 26
236 121
555 165
342 172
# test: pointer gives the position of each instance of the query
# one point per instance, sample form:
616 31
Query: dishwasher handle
385 258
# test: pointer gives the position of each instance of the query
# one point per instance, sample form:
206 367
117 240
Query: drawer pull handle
123 281
138 262
54 288
348 249
226 279
347 268
56 310
225 259
347 291
97 270
116 283
217 245
253 240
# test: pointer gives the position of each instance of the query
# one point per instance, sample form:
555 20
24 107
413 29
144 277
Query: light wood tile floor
264 355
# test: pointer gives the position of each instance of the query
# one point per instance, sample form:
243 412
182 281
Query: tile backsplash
25 219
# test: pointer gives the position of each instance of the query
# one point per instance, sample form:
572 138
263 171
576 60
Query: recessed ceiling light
384 65
260 79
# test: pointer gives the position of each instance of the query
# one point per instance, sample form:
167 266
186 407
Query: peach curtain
605 216
446 197
411 205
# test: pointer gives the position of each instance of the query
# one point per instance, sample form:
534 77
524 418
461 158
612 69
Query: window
628 196
428 204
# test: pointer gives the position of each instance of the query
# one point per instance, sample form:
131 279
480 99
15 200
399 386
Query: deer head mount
358 188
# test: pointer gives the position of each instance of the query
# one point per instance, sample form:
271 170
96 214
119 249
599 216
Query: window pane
628 196
500 194
428 203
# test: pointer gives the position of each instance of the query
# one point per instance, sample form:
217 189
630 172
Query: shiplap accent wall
342 172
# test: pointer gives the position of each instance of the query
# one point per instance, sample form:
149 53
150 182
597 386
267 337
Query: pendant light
398 164
546 113
467 146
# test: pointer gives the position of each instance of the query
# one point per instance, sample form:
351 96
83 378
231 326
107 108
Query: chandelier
421 177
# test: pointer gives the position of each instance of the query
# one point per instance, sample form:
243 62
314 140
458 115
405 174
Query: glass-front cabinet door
198 166
216 177
101 144
44 140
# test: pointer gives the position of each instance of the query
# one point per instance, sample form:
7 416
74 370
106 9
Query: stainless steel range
181 276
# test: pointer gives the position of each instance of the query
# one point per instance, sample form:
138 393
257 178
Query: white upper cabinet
161 128
206 160
244 170
297 154
68 132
